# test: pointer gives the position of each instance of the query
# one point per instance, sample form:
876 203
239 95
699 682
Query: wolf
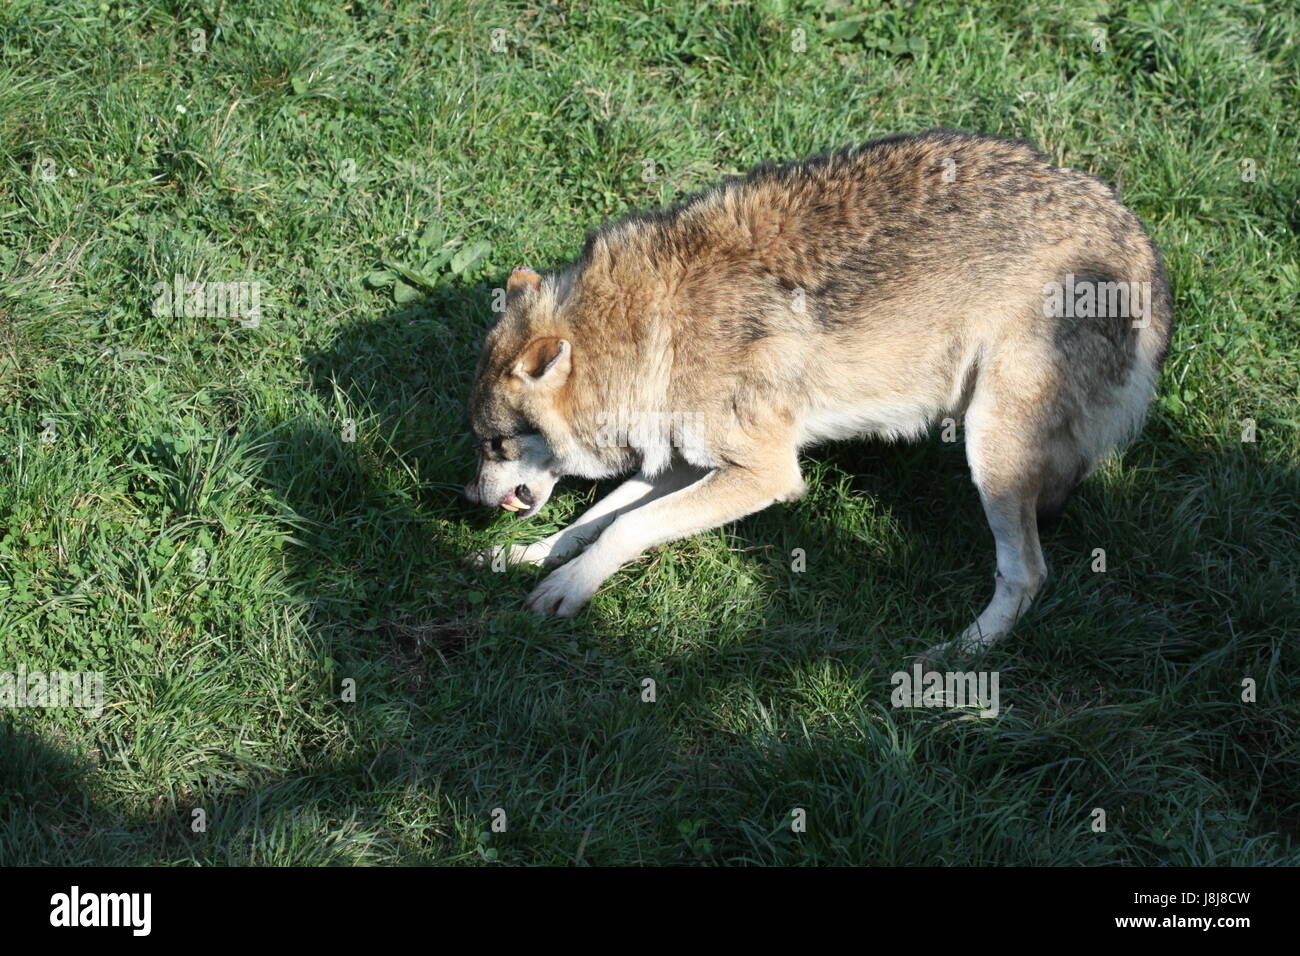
871 291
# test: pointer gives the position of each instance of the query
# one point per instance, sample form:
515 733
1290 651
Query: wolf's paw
970 644
563 593
941 657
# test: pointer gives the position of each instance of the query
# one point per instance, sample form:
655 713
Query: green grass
324 143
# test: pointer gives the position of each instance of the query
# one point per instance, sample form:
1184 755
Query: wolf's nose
518 499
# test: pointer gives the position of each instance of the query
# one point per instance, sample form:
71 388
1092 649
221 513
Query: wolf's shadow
816 571
487 694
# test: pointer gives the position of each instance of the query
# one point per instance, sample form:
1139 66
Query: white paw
563 593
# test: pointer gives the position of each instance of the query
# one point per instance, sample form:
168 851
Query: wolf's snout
471 492
520 499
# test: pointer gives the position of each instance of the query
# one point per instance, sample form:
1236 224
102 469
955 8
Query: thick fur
871 291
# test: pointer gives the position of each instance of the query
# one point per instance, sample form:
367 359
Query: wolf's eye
501 448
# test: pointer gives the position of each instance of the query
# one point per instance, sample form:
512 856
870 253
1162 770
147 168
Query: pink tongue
512 500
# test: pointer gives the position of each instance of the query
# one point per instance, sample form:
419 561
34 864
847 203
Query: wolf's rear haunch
872 291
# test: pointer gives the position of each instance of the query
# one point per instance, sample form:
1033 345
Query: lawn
250 521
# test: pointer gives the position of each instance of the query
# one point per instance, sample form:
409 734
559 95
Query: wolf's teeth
512 507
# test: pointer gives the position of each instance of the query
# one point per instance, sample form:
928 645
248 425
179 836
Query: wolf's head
517 406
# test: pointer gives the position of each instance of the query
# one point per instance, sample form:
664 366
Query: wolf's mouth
520 499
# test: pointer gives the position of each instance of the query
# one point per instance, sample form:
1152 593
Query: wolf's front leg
633 493
723 495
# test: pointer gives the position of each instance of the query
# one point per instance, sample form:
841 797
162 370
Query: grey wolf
872 291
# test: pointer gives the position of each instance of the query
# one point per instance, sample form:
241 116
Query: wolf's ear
522 278
545 361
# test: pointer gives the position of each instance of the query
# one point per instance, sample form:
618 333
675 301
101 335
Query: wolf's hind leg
1021 569
1011 451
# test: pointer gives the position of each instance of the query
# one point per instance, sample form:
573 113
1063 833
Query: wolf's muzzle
520 499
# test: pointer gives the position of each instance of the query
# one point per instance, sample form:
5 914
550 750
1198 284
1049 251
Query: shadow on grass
466 704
